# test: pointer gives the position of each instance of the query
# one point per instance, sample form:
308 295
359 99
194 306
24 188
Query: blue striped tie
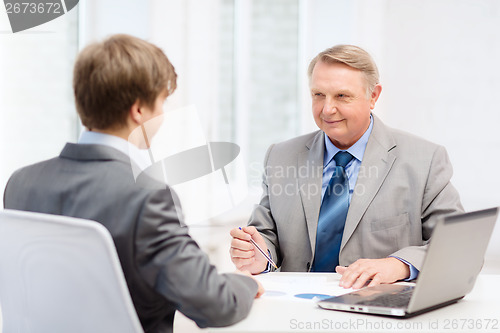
332 216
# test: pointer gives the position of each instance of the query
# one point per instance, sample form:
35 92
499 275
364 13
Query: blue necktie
332 216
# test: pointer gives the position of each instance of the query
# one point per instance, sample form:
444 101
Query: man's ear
135 113
375 95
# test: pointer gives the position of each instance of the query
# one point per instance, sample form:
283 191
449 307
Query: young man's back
164 268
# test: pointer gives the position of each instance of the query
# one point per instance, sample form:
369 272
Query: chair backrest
61 274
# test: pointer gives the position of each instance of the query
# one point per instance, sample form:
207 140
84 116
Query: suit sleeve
262 217
172 263
440 198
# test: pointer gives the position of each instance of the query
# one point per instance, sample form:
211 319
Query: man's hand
386 270
243 254
260 290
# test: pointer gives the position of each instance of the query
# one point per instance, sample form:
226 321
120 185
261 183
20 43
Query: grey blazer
402 188
164 267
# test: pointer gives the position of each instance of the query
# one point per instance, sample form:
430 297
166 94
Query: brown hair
110 76
352 56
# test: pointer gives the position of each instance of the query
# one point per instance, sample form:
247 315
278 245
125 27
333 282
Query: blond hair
352 56
110 76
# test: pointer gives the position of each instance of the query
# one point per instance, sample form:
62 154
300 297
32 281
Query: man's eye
318 94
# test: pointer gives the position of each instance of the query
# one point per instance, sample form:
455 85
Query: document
301 286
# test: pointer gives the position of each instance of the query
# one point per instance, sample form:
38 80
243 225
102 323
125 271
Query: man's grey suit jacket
403 186
164 268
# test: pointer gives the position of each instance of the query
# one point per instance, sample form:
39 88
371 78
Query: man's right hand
243 254
260 289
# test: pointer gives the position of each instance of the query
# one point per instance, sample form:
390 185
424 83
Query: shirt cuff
268 267
413 271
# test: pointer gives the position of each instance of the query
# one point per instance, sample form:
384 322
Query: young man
355 197
120 84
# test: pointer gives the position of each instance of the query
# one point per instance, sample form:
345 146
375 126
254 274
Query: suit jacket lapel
310 185
376 164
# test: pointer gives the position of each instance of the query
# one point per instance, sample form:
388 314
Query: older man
356 197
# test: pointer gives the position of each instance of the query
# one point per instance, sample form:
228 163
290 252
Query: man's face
153 116
157 109
339 103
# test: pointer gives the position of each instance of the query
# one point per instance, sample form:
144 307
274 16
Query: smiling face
340 105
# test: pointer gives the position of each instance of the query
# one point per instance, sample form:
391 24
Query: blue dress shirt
352 170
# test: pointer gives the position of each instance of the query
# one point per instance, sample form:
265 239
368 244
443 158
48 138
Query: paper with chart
301 286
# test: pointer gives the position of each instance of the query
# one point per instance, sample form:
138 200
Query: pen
263 253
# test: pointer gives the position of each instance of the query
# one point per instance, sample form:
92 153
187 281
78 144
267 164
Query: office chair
60 274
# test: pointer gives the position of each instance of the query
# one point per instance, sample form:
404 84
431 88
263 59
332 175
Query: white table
281 311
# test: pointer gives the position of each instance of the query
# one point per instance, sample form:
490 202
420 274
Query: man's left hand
386 270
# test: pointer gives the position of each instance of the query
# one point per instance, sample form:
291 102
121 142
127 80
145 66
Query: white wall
37 114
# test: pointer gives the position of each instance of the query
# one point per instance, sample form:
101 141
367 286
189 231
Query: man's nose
329 107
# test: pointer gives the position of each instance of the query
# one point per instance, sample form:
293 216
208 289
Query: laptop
454 258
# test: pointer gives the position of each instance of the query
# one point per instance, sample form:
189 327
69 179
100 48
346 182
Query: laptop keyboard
401 299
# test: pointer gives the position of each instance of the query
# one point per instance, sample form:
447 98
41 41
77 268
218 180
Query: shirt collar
139 156
357 150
